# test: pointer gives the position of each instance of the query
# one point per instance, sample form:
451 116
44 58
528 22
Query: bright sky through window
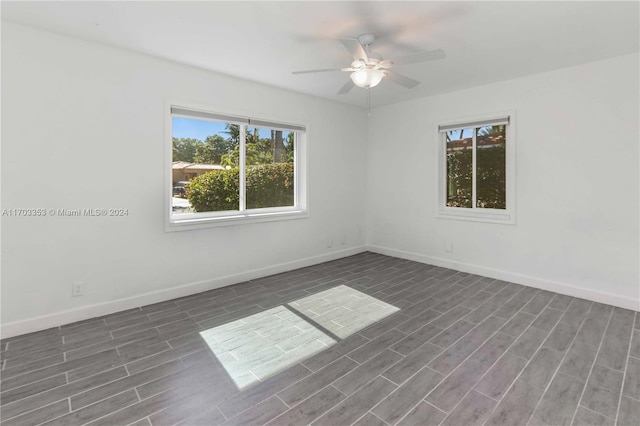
199 129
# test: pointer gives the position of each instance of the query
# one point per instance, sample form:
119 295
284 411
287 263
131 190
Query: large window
476 164
226 169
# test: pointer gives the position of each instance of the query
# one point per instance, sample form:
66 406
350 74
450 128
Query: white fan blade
429 55
346 88
355 48
402 80
314 71
384 65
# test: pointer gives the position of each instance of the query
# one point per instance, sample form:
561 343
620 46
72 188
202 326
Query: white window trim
506 216
193 221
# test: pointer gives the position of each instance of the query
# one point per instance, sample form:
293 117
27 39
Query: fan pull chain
369 101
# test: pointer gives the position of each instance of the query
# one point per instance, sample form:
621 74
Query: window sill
476 215
191 223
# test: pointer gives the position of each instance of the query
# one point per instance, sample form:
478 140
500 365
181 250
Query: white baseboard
99 309
540 283
91 311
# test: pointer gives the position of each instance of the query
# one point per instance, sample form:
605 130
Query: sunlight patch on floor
343 310
258 346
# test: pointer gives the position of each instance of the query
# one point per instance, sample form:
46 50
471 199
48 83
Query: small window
229 169
476 164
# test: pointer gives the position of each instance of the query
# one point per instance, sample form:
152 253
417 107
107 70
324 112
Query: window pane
269 168
459 167
490 167
204 178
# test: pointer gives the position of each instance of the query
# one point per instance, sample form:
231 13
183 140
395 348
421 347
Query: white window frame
506 216
191 221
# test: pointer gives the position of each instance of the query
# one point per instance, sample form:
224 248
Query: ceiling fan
368 68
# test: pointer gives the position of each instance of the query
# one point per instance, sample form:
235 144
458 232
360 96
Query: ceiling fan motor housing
371 63
367 39
368 68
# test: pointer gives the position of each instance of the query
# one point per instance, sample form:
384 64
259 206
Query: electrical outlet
329 243
448 246
77 289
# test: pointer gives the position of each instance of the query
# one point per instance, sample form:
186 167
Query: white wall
577 182
82 127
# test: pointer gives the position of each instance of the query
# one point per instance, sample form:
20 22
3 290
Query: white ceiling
265 41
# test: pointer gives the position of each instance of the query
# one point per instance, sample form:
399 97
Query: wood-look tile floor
461 350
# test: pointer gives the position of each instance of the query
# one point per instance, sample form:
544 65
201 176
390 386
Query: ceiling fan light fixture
367 78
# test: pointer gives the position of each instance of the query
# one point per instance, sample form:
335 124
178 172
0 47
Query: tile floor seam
110 382
523 368
113 412
422 401
43 422
481 393
358 365
33 409
222 412
71 410
143 329
593 411
632 398
285 404
34 371
444 349
593 364
314 372
365 384
326 409
496 361
70 396
37 393
518 356
476 326
572 375
626 365
254 375
411 408
562 317
553 376
257 402
394 351
436 408
154 354
330 385
110 396
373 414
364 414
397 384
